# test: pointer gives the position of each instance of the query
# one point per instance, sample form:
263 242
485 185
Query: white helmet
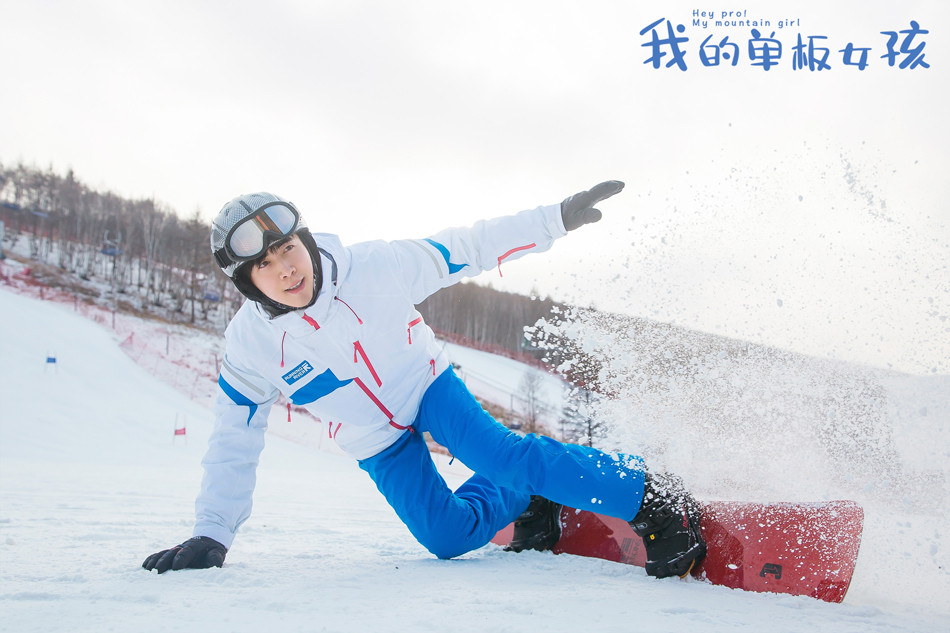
246 226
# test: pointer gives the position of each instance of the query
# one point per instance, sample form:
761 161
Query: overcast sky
807 210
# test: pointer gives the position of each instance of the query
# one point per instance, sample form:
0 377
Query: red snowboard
805 549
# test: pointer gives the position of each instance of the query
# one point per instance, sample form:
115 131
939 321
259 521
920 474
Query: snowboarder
336 330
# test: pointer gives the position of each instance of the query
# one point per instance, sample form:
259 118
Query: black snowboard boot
668 523
538 527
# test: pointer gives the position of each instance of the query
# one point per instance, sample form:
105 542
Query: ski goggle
249 238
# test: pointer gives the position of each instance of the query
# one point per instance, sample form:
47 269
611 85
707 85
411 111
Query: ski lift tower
111 248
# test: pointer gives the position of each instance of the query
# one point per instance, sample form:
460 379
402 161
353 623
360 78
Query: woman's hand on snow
579 210
199 552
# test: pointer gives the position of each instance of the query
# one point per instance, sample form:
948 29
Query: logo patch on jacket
297 373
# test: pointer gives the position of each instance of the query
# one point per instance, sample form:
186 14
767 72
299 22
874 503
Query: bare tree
196 236
154 221
531 396
485 315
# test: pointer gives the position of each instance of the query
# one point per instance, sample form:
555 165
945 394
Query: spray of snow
750 422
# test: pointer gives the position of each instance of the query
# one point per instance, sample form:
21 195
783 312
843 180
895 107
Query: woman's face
286 274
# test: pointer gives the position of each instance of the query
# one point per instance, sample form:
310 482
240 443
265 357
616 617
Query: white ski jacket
360 358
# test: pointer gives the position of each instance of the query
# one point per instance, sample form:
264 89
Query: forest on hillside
138 248
145 252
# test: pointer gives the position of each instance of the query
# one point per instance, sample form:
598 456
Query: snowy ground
91 483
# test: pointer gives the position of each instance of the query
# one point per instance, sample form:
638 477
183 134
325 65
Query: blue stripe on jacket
237 397
453 268
324 384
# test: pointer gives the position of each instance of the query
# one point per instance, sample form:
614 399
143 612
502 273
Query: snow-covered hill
91 482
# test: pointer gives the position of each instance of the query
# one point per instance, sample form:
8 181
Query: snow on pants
509 468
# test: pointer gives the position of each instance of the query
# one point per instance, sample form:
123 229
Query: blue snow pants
509 468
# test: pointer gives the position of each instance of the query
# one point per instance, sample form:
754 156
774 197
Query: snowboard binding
538 527
668 523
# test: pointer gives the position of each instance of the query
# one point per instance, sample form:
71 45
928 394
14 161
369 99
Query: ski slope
91 483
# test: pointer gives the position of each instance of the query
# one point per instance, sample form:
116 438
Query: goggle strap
221 256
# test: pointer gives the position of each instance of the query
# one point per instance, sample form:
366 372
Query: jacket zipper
380 405
409 329
358 353
514 250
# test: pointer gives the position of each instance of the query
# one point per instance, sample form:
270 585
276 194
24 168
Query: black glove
579 210
199 552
